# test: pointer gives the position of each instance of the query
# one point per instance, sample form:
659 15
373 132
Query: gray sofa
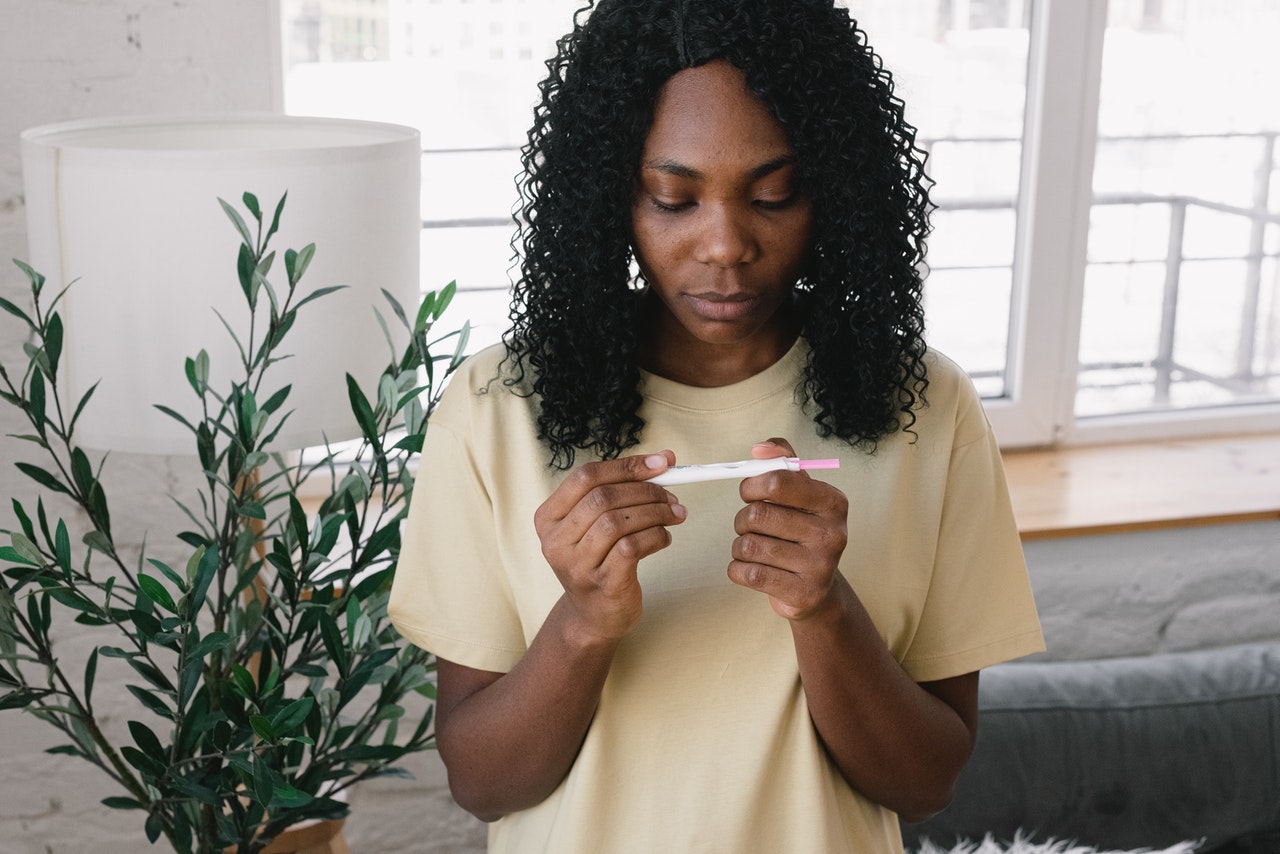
1125 753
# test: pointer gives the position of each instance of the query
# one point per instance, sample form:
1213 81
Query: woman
723 223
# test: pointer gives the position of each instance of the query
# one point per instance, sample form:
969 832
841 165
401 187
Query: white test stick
743 468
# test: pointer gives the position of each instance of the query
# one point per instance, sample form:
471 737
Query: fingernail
765 445
656 461
679 511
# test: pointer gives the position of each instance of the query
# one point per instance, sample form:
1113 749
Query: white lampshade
129 208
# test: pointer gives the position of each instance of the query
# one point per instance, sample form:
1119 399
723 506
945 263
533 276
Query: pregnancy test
743 468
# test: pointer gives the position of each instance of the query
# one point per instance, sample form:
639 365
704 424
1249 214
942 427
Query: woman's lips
722 307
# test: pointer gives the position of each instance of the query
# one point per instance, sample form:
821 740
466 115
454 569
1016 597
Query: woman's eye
669 207
775 204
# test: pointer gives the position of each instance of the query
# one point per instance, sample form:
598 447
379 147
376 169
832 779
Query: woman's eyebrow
680 170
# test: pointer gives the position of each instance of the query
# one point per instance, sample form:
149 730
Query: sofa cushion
1124 752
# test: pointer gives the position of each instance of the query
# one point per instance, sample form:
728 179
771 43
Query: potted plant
267 677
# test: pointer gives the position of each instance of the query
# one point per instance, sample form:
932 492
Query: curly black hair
574 313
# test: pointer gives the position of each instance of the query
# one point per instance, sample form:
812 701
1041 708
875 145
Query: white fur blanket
1022 845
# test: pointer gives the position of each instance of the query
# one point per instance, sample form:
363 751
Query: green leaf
353 613
16 312
245 268
333 644
42 477
262 728
192 789
84 400
154 825
290 797
23 519
70 598
276 400
460 351
117 802
209 644
300 263
316 294
147 740
156 592
151 701
423 320
262 785
90 672
189 676
446 297
275 220
243 681
380 541
397 308
298 521
251 204
412 444
239 223
292 716
362 411
22 699
150 672
99 541
26 549
81 471
252 510
98 508
12 555
53 343
206 567
177 579
62 549
36 400
176 416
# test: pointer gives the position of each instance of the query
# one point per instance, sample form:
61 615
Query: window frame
1051 253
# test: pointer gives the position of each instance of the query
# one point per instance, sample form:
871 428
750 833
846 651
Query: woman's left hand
790 537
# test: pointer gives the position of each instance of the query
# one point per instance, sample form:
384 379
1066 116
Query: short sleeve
979 609
450 595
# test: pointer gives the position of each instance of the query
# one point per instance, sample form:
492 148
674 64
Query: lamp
129 208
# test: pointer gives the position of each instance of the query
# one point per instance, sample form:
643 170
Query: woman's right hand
594 530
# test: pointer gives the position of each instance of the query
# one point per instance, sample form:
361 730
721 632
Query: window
1179 307
1106 254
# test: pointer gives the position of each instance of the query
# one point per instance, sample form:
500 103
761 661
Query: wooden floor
1127 487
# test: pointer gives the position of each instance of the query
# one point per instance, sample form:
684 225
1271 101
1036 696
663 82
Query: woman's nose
725 238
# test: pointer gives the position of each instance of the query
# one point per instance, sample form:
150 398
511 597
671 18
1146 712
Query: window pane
464 74
961 68
1180 292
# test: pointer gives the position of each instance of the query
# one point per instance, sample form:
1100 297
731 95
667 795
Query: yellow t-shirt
702 741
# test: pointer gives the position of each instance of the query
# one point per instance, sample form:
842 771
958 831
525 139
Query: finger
770 551
610 528
629 550
791 595
779 521
794 489
770 580
771 448
592 475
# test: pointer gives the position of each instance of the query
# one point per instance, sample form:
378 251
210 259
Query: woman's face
720 229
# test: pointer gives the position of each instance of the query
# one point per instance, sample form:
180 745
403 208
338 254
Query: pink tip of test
818 464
